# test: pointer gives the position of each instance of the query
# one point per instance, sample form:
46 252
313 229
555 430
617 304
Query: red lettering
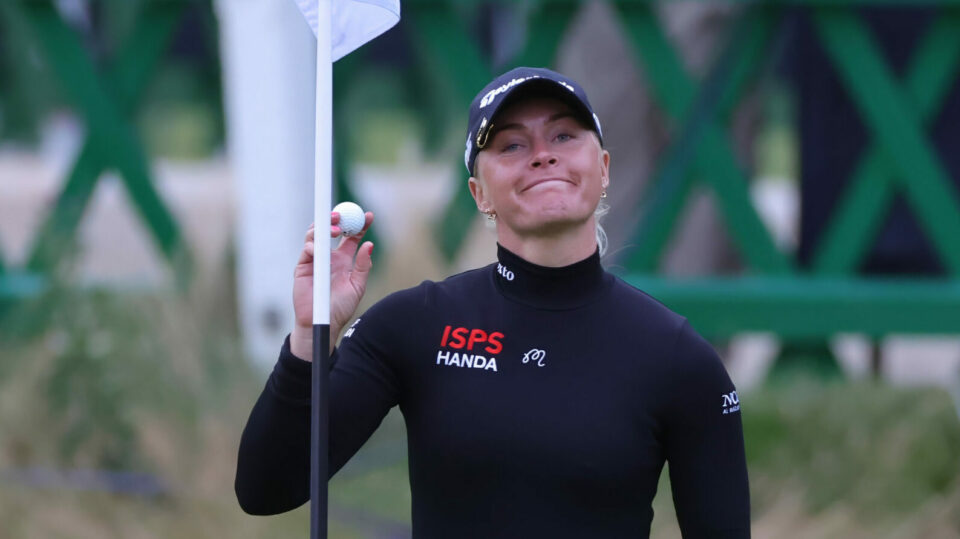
446 333
459 338
462 337
495 346
476 336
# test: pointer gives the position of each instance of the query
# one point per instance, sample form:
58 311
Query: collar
544 287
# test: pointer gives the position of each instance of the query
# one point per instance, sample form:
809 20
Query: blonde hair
602 209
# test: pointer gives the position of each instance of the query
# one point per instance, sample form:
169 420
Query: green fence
106 99
774 294
804 307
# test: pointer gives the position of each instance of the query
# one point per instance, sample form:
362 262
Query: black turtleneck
539 402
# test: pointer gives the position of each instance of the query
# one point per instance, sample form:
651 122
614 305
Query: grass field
156 384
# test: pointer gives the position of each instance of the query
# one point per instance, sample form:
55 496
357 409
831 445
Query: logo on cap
483 134
492 94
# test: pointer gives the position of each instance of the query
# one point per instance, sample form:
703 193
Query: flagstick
319 408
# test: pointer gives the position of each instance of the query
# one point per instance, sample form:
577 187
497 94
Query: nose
542 155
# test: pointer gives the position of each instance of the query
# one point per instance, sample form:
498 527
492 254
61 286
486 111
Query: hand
350 265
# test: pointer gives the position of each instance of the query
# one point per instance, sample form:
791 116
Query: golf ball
351 218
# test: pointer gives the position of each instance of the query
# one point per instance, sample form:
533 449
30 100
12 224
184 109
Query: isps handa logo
460 347
731 403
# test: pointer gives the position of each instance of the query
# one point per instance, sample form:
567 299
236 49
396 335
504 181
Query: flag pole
323 169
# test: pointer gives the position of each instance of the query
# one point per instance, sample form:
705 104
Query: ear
605 169
479 195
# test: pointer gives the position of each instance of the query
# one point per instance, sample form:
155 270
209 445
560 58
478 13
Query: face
542 171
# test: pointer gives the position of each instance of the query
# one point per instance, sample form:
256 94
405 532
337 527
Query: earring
603 194
491 216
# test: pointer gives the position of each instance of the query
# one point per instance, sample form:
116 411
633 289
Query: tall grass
156 383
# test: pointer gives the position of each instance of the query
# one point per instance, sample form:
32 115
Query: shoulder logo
731 403
353 326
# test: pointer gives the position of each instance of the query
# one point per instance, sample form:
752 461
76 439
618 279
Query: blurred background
785 174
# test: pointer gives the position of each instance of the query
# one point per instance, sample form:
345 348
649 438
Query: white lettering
492 94
349 332
504 272
731 402
470 361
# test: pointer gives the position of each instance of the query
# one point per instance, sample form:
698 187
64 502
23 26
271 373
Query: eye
510 147
563 137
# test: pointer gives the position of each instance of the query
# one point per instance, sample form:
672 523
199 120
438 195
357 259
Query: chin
548 220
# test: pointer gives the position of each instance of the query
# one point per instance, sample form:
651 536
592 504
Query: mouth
542 181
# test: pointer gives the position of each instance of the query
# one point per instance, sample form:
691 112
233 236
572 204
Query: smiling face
542 172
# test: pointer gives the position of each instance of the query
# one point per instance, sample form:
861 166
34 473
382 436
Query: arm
704 444
273 461
273 464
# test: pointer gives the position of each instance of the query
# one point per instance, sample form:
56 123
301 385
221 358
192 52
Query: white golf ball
351 218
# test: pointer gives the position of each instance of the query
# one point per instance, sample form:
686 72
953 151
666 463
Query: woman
541 394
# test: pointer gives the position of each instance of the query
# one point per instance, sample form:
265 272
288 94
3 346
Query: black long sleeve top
538 402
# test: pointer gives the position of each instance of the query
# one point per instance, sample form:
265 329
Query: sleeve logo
731 403
353 326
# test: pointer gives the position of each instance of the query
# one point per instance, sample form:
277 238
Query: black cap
491 99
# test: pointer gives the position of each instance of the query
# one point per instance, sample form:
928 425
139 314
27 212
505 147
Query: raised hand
350 265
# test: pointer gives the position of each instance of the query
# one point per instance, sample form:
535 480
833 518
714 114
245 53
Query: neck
561 248
552 288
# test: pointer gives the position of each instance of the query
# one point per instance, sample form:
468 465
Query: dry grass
157 384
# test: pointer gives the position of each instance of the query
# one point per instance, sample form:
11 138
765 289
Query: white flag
353 22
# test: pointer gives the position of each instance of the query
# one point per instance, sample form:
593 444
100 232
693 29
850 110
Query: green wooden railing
802 306
774 294
106 100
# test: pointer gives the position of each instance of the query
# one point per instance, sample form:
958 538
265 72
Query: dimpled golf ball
351 218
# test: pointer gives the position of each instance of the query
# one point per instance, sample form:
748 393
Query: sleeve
273 464
704 444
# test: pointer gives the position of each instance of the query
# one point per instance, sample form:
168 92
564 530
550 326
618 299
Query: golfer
542 395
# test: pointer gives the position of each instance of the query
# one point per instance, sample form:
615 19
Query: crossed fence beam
106 100
814 303
900 153
895 112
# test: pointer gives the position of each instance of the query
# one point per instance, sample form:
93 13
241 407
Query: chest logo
536 356
466 343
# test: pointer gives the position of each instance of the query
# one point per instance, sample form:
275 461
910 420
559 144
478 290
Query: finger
353 242
334 221
303 270
367 221
361 268
309 234
306 255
